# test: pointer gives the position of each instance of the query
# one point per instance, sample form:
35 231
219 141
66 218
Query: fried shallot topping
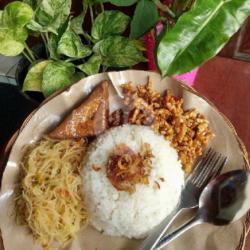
126 168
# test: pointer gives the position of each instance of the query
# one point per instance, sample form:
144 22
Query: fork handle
179 231
150 242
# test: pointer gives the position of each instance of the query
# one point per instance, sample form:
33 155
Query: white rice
119 213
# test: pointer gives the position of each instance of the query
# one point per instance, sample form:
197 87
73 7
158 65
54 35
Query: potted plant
177 36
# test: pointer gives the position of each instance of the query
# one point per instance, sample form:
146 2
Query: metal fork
209 166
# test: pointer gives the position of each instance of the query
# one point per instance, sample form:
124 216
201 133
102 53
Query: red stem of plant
150 42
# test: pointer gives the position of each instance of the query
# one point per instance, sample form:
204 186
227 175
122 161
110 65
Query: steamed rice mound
119 213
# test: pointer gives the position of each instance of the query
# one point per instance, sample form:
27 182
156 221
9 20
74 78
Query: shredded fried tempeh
187 130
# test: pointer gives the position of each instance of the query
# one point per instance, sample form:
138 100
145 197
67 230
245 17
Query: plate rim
11 141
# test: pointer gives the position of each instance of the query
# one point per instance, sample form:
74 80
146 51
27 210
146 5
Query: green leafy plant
199 34
13 33
70 45
109 23
34 78
77 22
71 51
118 51
57 75
120 2
145 17
192 32
49 15
92 66
17 14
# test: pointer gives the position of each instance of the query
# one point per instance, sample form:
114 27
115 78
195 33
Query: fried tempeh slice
89 119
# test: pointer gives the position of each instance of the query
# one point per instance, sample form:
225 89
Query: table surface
226 83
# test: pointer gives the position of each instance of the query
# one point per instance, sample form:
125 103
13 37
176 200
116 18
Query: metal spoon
225 199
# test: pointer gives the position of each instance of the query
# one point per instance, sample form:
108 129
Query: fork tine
219 168
209 153
202 165
208 169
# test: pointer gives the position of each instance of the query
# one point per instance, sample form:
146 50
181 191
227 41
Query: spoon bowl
226 198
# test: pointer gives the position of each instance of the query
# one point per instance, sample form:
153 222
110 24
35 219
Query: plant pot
22 70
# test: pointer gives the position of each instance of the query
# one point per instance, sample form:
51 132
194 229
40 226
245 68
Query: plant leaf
100 1
92 66
17 14
108 23
123 2
57 75
200 34
18 34
119 2
54 40
89 2
145 17
70 45
1 18
118 51
12 40
33 79
77 22
36 27
78 76
52 47
31 3
9 47
50 15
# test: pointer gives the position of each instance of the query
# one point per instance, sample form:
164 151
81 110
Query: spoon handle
179 231
151 241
